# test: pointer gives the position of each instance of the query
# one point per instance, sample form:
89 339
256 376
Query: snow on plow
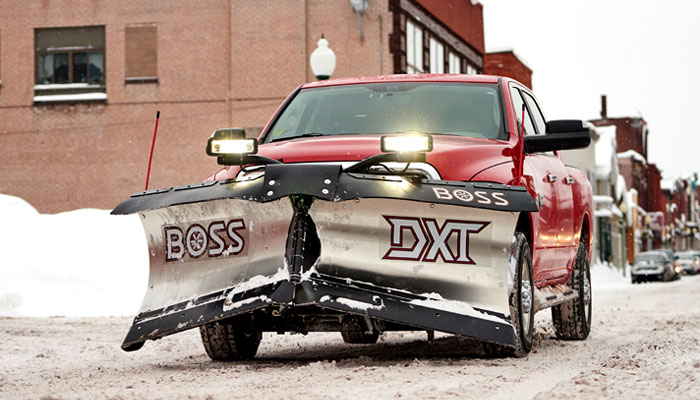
304 245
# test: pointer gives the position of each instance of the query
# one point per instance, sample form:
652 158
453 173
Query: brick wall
220 63
462 17
506 63
631 133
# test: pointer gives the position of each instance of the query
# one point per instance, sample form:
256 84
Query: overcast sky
644 55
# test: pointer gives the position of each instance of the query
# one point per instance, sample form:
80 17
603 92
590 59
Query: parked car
653 265
689 261
671 256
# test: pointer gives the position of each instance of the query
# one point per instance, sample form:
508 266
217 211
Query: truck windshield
443 108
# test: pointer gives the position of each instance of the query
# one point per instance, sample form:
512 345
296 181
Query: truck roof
405 78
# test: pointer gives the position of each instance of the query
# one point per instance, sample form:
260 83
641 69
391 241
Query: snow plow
382 243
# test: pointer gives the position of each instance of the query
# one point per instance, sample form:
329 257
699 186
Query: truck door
561 184
538 166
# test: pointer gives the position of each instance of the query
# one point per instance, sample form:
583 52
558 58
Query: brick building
632 145
507 63
81 80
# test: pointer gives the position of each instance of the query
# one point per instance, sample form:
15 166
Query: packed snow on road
71 283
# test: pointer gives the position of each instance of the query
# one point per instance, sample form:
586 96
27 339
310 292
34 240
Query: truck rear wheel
355 333
521 301
230 340
572 320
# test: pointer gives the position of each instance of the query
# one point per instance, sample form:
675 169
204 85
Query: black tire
355 333
230 340
356 337
572 320
521 301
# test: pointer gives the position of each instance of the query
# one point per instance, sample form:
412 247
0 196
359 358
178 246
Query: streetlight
322 60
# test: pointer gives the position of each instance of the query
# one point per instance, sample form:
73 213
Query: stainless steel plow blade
305 245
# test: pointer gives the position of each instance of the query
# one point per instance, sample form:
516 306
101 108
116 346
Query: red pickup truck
403 202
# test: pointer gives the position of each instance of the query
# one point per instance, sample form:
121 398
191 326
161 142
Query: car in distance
653 265
689 262
671 256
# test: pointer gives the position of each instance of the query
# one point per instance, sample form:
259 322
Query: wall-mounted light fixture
359 7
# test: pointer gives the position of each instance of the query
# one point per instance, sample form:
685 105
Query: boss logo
479 196
430 240
218 238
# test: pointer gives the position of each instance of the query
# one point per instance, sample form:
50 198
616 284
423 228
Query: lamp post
322 60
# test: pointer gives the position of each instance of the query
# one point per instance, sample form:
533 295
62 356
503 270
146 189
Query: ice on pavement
78 263
89 263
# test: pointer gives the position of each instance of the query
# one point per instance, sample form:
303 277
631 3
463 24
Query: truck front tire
230 340
572 320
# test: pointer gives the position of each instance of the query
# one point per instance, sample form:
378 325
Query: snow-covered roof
668 185
603 213
633 155
605 149
605 207
603 200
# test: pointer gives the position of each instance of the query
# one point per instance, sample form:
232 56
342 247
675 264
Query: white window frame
414 48
437 57
454 63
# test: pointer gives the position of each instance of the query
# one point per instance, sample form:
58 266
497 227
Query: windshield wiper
308 134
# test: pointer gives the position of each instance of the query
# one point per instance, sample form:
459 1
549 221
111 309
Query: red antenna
153 144
521 148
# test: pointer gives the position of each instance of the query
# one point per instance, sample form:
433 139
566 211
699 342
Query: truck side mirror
565 134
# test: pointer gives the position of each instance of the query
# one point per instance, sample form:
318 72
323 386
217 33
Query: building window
437 57
70 64
471 69
141 45
414 48
454 64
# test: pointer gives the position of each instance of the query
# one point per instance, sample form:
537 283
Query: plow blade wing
204 252
418 253
455 258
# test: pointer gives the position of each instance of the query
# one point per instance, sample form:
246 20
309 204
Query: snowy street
644 344
59 340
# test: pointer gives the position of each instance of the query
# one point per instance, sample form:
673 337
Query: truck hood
454 157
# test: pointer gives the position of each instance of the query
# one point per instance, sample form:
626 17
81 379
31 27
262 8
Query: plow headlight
236 146
231 142
407 144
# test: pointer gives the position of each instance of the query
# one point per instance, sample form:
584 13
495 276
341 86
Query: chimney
603 106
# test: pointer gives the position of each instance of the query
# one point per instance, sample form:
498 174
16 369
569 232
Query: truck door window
518 106
537 113
538 117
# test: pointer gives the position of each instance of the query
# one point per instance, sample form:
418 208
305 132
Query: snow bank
605 276
78 263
